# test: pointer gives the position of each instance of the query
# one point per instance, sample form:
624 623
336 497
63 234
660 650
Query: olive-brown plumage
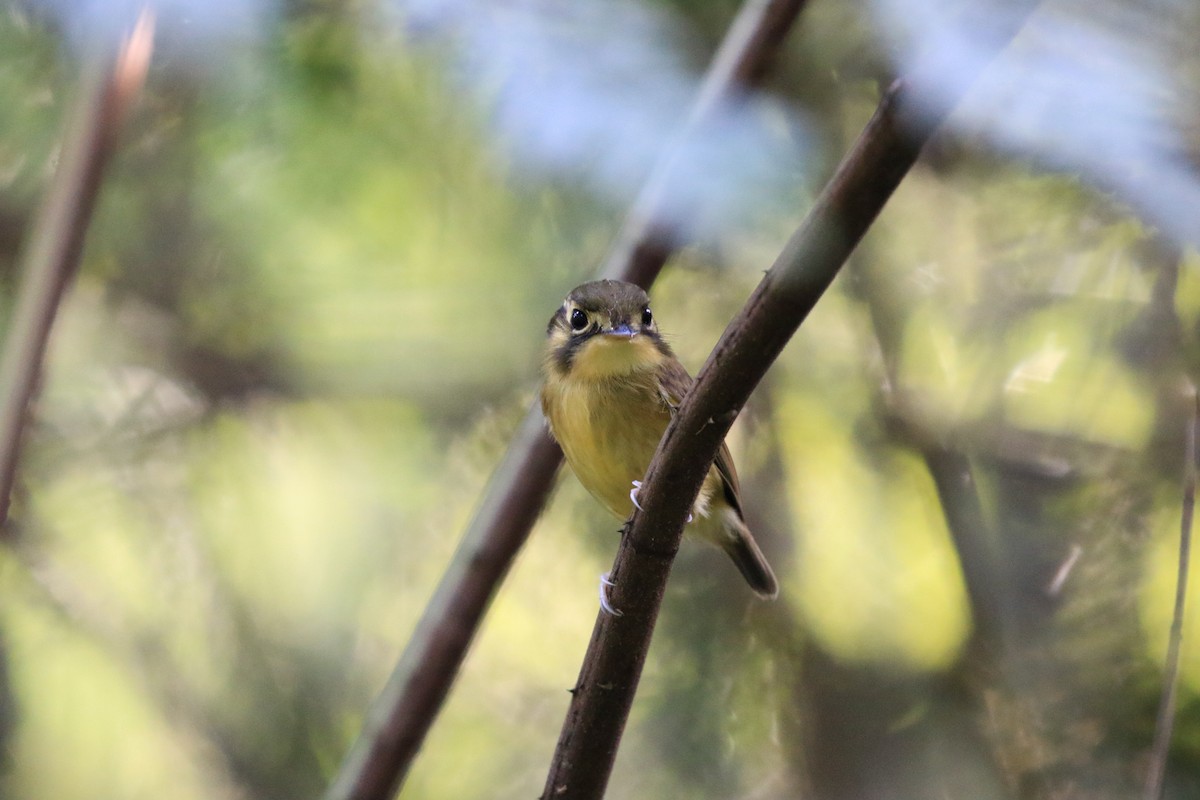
612 385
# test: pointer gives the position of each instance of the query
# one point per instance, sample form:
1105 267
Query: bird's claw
605 582
633 493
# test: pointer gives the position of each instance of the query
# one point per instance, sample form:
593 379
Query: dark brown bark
850 202
401 716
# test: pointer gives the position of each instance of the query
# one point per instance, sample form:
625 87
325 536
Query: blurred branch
811 259
404 711
962 509
110 88
402 714
648 237
1166 709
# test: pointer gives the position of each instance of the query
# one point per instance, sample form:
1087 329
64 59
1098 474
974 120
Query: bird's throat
605 357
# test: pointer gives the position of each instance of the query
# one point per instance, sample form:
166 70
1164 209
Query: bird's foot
605 582
633 494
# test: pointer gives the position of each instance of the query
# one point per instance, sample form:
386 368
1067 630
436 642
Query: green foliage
309 317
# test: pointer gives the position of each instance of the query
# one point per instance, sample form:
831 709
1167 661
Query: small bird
611 386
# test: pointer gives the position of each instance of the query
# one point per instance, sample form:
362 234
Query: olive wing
674 384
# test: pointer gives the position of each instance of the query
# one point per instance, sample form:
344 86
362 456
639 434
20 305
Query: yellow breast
608 430
607 413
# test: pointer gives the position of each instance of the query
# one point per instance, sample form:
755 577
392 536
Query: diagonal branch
808 264
649 236
108 95
1166 709
402 714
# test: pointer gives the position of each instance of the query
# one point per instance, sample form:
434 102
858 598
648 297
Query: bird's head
604 329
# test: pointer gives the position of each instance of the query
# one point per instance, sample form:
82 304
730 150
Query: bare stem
1166 708
402 714
608 679
56 243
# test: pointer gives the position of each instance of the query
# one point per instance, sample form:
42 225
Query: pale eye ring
579 320
647 317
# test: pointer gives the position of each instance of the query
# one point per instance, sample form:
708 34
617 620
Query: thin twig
1166 709
110 89
403 712
811 259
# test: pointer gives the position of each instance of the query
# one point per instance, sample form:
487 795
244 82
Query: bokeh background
310 316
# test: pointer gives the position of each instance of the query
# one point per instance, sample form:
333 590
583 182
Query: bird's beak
622 331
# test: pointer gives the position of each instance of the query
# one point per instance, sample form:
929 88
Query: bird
611 386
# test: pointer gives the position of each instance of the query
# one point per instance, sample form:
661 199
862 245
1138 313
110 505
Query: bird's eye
647 317
579 320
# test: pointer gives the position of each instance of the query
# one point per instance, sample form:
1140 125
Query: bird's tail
740 545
